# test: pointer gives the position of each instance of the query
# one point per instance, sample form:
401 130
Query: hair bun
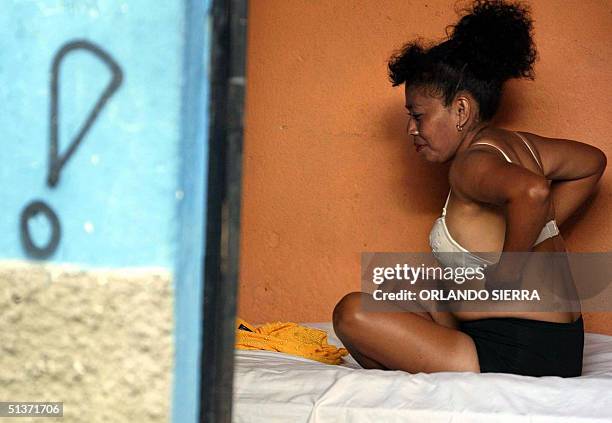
494 40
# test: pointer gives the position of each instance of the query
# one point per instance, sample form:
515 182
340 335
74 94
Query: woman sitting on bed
509 192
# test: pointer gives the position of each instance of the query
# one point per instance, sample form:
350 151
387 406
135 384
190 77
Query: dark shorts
527 347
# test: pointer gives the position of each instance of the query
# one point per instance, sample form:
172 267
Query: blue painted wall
132 193
119 195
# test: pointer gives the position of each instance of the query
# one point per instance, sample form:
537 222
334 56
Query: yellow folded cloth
290 338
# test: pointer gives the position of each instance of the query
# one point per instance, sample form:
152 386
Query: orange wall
328 169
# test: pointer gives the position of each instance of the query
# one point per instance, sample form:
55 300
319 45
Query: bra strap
530 149
494 146
446 204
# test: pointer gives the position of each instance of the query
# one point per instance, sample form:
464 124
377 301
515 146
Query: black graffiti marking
57 161
32 249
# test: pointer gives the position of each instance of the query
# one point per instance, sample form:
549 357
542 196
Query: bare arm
569 195
574 169
484 176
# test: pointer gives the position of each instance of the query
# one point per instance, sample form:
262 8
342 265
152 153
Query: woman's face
431 125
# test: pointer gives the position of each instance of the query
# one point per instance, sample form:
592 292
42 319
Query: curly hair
491 43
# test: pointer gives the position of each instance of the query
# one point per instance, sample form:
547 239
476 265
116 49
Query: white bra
441 241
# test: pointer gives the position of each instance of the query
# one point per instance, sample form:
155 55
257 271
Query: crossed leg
402 340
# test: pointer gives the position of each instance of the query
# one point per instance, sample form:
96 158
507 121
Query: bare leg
427 309
365 362
401 340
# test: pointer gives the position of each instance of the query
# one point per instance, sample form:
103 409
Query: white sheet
277 387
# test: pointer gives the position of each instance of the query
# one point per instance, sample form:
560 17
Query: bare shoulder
489 173
564 158
491 147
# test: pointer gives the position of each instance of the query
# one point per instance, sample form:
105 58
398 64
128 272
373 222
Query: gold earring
459 128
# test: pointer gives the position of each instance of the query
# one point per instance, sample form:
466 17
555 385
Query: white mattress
278 387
